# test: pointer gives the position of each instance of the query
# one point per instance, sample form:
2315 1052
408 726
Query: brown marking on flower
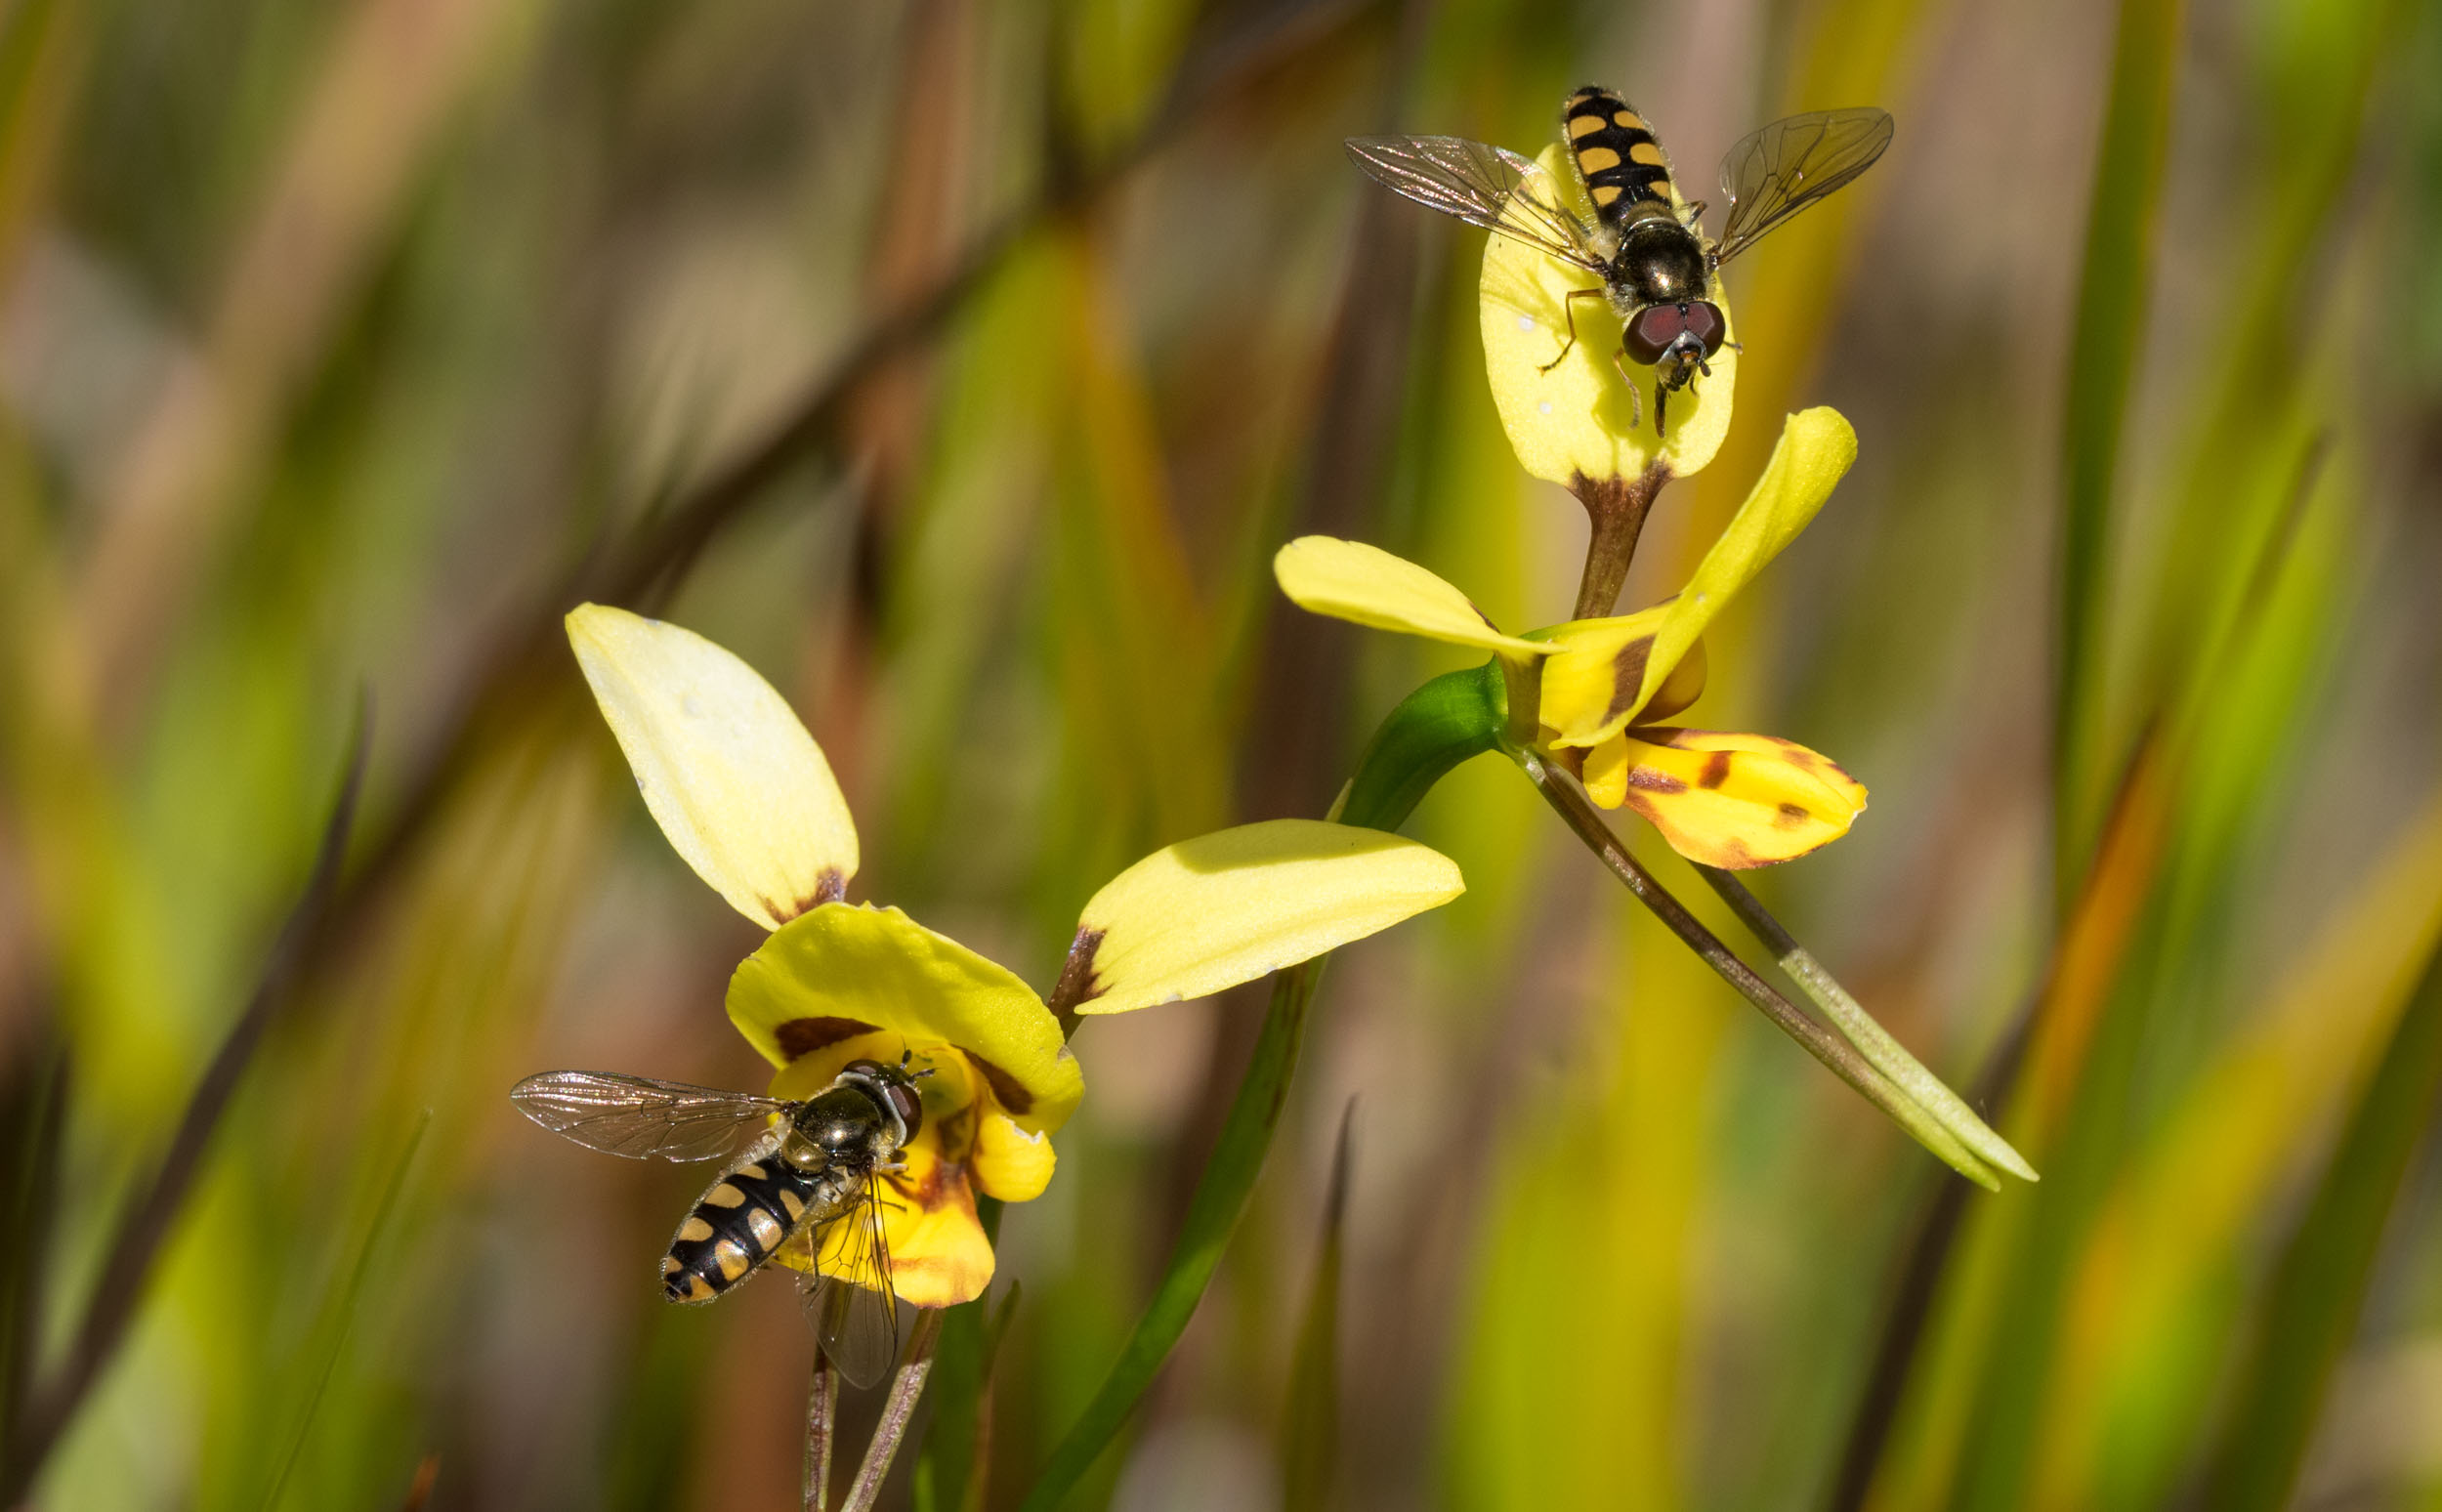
1716 769
1077 983
1007 1090
1628 675
1654 781
830 887
1793 814
803 1036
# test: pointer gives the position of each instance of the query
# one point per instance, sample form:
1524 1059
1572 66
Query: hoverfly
1656 264
805 1174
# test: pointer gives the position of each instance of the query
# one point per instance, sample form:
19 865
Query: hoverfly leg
1694 212
1568 308
1662 402
1637 401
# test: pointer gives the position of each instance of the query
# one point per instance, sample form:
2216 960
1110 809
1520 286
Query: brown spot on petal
1077 983
1654 781
1716 769
1791 815
804 1036
1628 675
1007 1089
830 887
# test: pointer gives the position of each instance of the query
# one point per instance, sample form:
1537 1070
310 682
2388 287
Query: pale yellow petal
1726 800
1578 419
1368 586
1228 908
1815 449
844 971
731 774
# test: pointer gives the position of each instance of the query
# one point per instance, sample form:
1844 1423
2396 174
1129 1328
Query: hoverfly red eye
1704 322
1651 334
905 1100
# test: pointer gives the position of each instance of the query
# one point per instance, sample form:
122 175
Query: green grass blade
343 1308
2320 1284
2124 216
1310 1417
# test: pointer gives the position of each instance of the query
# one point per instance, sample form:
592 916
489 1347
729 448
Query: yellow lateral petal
1353 581
845 970
1009 1163
1589 687
1574 419
1228 908
1815 449
731 774
1732 800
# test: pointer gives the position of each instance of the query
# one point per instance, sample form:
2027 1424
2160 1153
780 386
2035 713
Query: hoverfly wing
638 1118
1481 184
1778 171
847 1297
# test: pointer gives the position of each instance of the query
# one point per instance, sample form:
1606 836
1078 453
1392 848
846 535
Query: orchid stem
1842 1061
822 1410
897 1412
1615 511
1858 1027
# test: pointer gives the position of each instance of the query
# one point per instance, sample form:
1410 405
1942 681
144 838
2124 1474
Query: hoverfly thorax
892 1090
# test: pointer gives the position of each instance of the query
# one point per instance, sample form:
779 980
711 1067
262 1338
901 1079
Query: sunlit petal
1368 586
1589 687
1228 908
1815 449
842 971
1732 800
736 784
1578 419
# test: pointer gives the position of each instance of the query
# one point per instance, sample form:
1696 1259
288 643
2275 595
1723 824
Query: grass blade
1310 1418
2320 1284
2114 294
343 1307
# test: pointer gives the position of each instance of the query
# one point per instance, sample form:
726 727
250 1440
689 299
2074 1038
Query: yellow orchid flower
1600 688
744 795
1577 421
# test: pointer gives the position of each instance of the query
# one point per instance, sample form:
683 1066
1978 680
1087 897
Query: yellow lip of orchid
1577 420
1604 685
744 795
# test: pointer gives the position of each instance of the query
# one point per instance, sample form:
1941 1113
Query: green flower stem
821 1410
1858 1027
1440 725
1843 1061
897 1412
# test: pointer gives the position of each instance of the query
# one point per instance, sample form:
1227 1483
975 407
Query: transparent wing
1790 164
849 1303
637 1116
1481 184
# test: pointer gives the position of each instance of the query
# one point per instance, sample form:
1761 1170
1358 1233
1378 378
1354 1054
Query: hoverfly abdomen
1625 173
738 1225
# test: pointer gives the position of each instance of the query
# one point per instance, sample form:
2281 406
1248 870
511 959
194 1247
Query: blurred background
960 363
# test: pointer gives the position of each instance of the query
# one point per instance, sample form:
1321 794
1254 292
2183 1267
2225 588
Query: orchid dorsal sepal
726 767
1366 585
1567 404
1227 907
1815 450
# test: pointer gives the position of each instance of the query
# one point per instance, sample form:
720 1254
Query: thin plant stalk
897 1412
821 1414
1858 1027
1842 1061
